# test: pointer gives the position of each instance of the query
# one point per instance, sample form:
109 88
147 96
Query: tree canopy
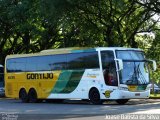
33 25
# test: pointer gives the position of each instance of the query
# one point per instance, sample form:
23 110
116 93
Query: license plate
137 94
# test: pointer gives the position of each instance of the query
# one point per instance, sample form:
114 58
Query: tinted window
54 62
83 60
46 63
10 65
20 65
37 63
107 58
75 61
91 60
31 64
58 62
43 63
130 55
109 68
16 65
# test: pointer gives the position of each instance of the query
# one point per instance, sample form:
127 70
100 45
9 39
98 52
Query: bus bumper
122 94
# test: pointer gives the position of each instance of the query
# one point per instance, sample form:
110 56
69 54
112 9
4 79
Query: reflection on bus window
109 68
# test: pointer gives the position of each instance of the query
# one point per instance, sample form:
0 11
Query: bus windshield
135 71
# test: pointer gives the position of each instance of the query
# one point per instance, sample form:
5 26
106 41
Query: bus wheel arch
23 95
94 96
32 95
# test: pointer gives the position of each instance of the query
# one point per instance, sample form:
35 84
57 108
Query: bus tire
122 101
32 95
94 96
23 96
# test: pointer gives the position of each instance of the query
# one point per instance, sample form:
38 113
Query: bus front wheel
122 101
23 96
32 95
94 96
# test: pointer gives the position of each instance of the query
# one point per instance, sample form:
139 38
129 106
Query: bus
94 74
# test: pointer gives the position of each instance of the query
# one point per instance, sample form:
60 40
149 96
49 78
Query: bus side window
109 68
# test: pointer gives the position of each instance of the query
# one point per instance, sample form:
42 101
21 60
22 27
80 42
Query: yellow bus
95 74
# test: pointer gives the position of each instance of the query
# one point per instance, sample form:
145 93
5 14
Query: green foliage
156 76
154 53
28 26
33 25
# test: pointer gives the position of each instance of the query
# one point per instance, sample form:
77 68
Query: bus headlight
123 88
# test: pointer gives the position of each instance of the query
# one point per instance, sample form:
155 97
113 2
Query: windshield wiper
137 77
141 76
133 79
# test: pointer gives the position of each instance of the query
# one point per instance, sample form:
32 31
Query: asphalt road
11 109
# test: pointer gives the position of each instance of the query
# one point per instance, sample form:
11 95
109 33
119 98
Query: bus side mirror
154 65
154 68
119 63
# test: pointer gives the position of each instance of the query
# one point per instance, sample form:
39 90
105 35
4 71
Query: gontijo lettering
32 76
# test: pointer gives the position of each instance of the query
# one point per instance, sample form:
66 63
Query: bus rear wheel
32 95
94 96
122 101
23 96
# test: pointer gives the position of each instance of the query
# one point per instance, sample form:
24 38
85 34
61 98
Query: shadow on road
75 109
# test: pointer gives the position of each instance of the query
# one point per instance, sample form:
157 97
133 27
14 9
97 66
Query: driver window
109 68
